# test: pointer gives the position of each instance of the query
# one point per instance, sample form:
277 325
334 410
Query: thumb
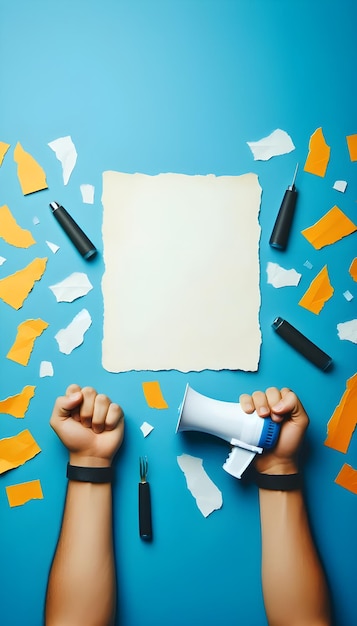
290 405
66 404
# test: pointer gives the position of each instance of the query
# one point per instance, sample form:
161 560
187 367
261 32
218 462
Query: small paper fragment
17 405
146 428
347 478
15 288
46 369
87 192
348 295
2 260
353 269
11 232
15 451
344 419
332 227
3 150
31 176
308 265
35 220
153 395
22 493
72 336
53 246
352 146
207 495
27 333
66 153
348 330
74 286
318 155
280 277
275 144
318 293
340 185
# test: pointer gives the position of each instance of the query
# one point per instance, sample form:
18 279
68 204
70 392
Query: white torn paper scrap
74 286
275 144
280 277
348 295
2 260
308 264
348 330
66 153
207 495
46 369
159 233
146 428
53 246
87 192
73 335
35 220
340 185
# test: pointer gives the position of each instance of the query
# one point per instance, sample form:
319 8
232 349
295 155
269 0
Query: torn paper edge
72 336
146 428
74 286
348 331
275 144
207 495
280 277
87 192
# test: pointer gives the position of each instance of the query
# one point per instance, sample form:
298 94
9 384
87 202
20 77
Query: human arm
294 586
82 586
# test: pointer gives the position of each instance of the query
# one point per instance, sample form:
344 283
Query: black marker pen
280 235
74 232
301 343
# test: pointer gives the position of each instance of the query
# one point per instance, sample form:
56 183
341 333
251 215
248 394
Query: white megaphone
249 434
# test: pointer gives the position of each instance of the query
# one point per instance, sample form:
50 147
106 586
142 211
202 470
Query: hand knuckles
89 391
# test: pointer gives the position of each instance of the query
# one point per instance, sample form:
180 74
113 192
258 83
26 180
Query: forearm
81 588
294 586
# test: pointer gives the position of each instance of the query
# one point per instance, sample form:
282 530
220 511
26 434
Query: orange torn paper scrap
353 269
332 227
352 146
27 333
15 288
17 405
344 419
347 478
153 395
30 173
15 451
3 150
24 492
11 232
318 293
319 154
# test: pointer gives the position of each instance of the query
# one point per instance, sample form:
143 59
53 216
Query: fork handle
145 525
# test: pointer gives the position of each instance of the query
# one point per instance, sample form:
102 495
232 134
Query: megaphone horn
248 434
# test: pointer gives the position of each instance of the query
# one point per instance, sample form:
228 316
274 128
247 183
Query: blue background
176 86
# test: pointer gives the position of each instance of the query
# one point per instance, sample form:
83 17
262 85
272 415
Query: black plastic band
277 482
90 474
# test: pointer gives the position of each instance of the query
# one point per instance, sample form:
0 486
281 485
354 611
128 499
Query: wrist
81 460
279 468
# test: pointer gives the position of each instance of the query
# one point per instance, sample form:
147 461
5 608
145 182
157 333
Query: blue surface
177 86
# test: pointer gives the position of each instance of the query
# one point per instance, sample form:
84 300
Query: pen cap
281 231
301 343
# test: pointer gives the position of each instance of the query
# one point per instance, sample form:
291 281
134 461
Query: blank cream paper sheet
181 281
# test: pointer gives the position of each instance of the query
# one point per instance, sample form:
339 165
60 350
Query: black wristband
90 474
277 482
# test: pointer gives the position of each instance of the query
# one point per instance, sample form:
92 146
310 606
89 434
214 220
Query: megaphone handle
145 526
